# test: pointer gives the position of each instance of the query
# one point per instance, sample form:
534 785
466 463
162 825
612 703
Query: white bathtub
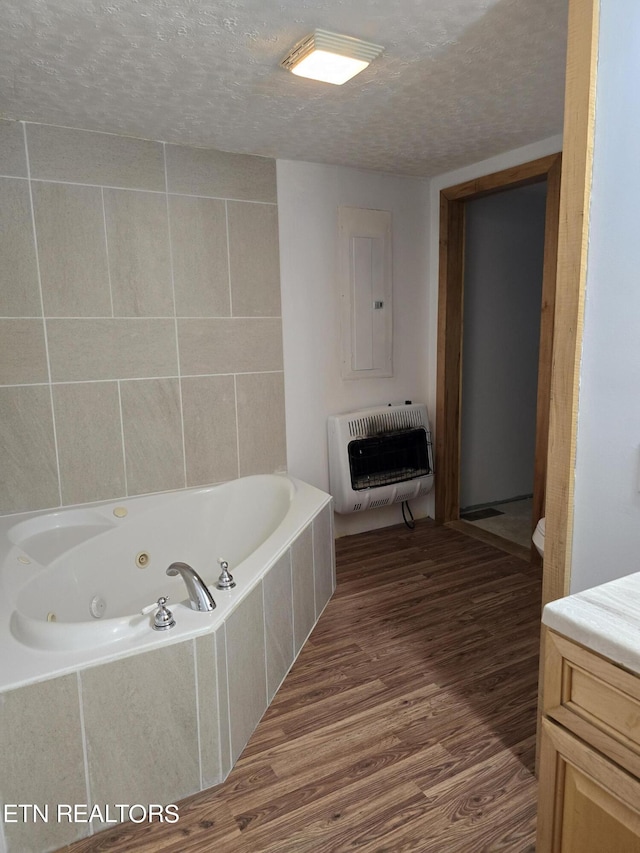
72 588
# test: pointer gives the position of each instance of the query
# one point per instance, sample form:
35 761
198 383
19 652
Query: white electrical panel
366 297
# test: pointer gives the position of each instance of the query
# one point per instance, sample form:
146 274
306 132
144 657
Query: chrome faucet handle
225 581
163 617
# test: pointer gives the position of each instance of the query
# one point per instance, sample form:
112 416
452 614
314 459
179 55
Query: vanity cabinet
589 777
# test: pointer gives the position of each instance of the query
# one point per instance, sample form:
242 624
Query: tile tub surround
98 735
140 319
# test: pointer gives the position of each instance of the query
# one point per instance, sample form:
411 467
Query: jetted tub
74 581
89 692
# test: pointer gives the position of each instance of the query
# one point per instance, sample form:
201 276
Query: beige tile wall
140 320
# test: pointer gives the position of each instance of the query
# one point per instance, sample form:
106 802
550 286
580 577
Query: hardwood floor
406 724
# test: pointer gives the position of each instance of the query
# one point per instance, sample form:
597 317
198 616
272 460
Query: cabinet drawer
595 699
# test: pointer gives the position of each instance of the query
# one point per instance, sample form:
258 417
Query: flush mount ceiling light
330 57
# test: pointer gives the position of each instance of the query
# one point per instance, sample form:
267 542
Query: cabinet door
587 804
594 699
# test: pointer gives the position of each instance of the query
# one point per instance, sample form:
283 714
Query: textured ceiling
458 81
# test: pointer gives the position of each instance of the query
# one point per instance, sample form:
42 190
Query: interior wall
309 195
140 324
504 250
606 538
87 390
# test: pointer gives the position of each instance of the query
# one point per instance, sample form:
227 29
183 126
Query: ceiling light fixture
330 57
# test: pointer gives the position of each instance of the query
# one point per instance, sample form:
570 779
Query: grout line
83 735
175 317
265 640
293 603
313 564
333 548
164 191
195 672
226 220
235 400
137 379
149 317
21 317
105 186
229 718
218 729
3 840
124 449
35 246
237 373
44 320
225 198
106 243
27 385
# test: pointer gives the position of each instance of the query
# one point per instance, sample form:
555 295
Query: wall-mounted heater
379 456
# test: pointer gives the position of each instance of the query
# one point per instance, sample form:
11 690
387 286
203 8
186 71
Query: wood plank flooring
406 724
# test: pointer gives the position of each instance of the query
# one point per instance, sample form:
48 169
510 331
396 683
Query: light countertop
605 619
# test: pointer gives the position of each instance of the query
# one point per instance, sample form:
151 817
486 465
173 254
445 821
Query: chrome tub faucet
199 596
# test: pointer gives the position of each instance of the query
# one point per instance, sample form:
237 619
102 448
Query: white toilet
538 537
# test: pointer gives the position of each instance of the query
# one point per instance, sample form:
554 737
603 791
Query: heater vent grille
382 502
395 419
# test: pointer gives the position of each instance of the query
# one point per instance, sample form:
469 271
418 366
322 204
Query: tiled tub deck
157 726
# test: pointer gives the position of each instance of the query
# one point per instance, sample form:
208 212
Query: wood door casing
450 320
571 275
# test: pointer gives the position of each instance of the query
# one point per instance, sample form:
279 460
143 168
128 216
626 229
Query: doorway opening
503 265
453 214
